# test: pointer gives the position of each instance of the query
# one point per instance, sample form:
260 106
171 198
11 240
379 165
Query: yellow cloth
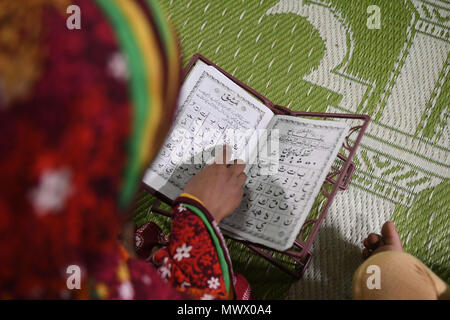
188 195
401 276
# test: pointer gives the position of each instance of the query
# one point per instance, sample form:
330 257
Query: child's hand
219 187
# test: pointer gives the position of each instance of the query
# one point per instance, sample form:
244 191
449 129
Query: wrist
215 213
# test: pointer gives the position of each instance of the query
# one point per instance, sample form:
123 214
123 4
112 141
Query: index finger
237 167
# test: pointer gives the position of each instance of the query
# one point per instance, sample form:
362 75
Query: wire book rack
296 260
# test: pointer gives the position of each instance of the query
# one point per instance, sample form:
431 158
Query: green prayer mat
386 58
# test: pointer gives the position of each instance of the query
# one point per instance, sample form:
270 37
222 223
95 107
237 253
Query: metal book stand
295 260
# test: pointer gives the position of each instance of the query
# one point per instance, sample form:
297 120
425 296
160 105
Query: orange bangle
124 253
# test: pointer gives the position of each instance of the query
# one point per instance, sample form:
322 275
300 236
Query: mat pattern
322 56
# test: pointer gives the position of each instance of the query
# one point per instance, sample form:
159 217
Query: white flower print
138 241
118 67
165 272
182 252
207 297
52 192
181 208
126 291
146 280
213 283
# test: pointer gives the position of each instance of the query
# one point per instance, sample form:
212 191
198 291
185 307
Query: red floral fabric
64 147
119 277
63 153
187 267
190 261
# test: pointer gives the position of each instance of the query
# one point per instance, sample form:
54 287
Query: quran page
275 206
209 108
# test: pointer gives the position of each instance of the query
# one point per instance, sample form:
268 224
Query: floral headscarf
82 113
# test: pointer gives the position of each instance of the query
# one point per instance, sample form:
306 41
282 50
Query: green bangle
222 261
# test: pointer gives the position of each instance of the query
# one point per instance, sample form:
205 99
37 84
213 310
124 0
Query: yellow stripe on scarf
152 59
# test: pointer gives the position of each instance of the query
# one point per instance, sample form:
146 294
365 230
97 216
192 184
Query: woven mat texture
329 56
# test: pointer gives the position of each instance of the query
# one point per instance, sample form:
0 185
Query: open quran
287 157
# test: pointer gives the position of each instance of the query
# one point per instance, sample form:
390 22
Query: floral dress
196 260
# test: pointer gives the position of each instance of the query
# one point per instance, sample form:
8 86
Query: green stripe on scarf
140 96
162 26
